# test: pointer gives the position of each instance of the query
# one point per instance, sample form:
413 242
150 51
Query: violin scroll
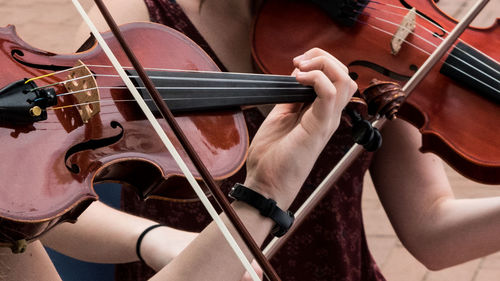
383 98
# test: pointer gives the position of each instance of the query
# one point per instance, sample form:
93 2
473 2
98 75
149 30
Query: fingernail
299 73
297 58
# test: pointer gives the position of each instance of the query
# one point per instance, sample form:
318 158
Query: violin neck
185 91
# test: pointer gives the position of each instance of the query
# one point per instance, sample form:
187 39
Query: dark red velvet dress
329 245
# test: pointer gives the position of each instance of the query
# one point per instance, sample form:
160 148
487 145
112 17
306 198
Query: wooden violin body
457 120
39 186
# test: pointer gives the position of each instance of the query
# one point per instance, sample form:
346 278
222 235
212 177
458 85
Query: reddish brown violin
79 125
456 108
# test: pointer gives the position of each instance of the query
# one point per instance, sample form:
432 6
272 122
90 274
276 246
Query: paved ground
47 24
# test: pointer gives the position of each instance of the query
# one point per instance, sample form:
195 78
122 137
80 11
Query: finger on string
326 92
286 108
316 52
333 70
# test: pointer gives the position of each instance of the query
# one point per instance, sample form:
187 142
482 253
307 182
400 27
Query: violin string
206 98
435 45
239 88
294 85
444 62
111 101
217 79
429 31
173 78
419 36
426 29
185 88
360 12
389 33
452 66
226 88
432 44
253 81
60 82
53 73
173 150
257 75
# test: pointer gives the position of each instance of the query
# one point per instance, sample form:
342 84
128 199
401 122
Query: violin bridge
84 86
406 27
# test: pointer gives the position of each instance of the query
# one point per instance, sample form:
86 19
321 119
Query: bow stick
357 149
219 196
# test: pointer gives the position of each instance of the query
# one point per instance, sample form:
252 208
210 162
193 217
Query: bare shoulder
400 148
123 11
403 133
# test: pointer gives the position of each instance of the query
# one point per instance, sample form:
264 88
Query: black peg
363 132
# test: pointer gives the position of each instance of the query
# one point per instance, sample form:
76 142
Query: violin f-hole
16 53
378 68
92 144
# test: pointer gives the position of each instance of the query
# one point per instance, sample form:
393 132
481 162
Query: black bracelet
266 206
139 240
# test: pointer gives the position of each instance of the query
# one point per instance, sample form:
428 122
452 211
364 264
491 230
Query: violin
77 125
457 106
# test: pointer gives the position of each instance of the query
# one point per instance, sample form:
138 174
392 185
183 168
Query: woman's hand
292 136
280 157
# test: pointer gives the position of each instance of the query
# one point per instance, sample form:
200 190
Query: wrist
269 191
267 207
161 245
141 246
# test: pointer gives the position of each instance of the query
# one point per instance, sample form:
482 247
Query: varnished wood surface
34 18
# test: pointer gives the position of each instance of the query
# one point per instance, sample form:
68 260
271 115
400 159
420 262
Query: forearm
105 235
210 253
436 228
455 231
101 234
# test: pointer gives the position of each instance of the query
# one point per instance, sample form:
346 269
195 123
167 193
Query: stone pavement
48 24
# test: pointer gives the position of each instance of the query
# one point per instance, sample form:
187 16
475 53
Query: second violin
456 107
